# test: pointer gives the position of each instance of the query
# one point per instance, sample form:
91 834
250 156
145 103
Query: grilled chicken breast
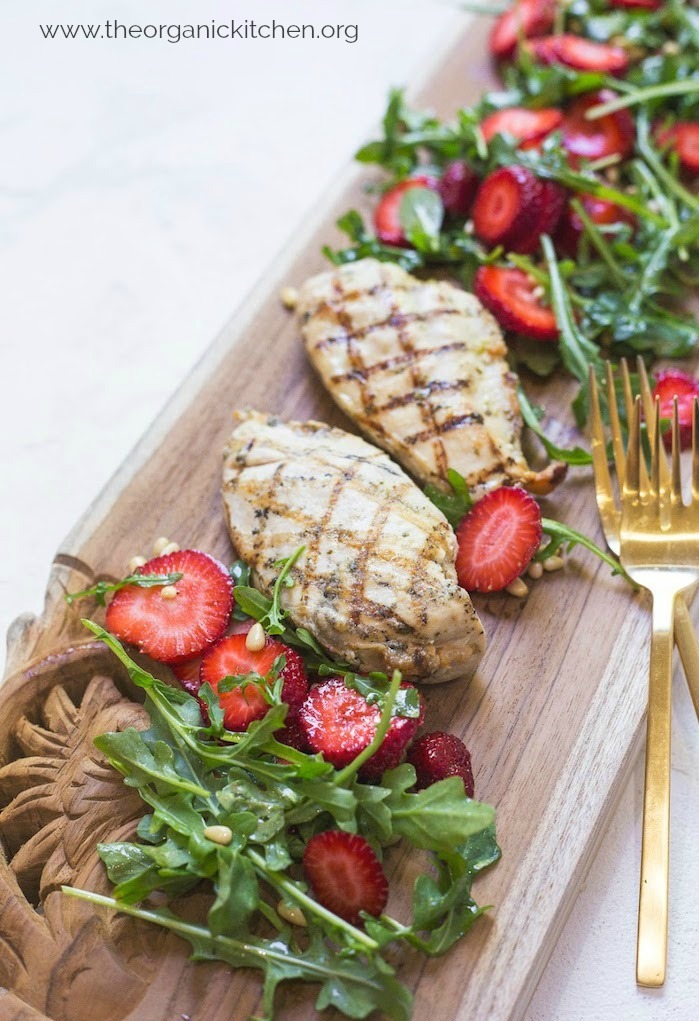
376 584
420 367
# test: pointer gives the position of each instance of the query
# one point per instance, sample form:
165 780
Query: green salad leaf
104 588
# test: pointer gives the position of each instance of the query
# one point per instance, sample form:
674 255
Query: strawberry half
345 875
339 723
508 209
523 124
579 53
526 18
497 539
174 630
231 657
675 383
438 755
509 295
607 136
600 211
684 138
457 187
387 214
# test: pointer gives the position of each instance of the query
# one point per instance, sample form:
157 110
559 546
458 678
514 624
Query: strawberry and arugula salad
567 200
277 777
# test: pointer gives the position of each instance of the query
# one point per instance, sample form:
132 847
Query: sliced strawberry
579 53
526 18
600 211
339 723
438 755
508 208
345 875
509 295
553 203
387 214
649 5
294 736
231 658
611 135
672 383
497 539
684 137
458 186
174 630
523 124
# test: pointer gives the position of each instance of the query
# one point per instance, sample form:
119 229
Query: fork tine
676 491
603 480
617 440
626 388
695 450
650 417
634 456
657 456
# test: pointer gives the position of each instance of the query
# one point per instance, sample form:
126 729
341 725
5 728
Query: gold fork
659 547
609 510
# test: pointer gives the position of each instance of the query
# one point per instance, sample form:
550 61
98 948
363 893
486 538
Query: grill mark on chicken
421 367
396 361
377 583
396 320
444 427
402 400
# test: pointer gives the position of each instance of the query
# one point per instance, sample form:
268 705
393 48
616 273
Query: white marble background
144 187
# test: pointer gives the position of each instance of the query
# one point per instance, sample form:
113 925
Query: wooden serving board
552 717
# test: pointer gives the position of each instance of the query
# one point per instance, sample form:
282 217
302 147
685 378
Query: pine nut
536 569
538 292
291 913
553 563
255 638
289 297
168 592
671 48
517 588
469 227
171 547
159 545
219 834
135 563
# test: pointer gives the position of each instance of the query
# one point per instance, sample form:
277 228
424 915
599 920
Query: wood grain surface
552 718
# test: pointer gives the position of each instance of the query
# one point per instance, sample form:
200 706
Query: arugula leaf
103 588
269 612
454 505
562 535
421 214
574 456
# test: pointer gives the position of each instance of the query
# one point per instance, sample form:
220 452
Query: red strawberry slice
438 755
339 723
457 187
613 134
345 875
174 630
684 137
188 672
579 53
231 658
508 208
649 5
526 18
387 214
497 539
553 203
600 211
509 295
523 124
673 383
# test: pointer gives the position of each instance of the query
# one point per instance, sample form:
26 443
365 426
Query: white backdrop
144 187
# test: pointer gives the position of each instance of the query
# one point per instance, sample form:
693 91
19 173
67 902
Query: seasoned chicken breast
376 584
420 367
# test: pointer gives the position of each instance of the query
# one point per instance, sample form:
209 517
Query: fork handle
655 853
688 644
